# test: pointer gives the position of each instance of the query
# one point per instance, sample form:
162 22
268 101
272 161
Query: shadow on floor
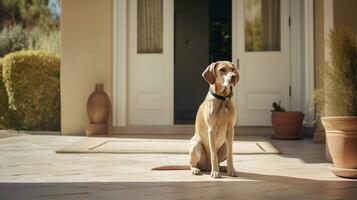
304 149
246 186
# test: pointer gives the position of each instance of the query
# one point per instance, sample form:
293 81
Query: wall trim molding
309 78
119 62
295 52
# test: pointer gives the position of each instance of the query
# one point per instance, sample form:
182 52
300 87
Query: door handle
237 63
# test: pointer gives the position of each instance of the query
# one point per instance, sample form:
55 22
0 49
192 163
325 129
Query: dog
214 126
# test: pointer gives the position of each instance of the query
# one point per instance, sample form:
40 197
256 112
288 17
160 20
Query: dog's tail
172 167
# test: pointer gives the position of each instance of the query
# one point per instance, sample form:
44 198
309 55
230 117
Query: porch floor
30 169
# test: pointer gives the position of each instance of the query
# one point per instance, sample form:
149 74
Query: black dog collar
222 98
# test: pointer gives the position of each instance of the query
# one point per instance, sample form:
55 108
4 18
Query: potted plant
336 101
286 125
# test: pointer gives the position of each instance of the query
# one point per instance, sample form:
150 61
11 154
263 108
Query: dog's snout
233 77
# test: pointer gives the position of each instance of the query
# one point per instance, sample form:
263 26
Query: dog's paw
232 173
215 174
196 171
222 168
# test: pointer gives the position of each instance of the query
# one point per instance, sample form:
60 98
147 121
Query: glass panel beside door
262 25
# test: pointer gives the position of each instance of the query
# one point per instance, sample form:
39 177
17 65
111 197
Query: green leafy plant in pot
336 101
286 125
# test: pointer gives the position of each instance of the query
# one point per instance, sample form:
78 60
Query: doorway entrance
165 87
202 35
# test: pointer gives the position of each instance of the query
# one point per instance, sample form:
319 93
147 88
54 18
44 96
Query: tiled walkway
30 169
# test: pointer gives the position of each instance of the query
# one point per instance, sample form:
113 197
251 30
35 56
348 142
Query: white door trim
309 78
296 60
238 50
295 55
119 62
150 75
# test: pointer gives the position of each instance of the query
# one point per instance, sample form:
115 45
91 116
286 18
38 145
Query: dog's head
223 73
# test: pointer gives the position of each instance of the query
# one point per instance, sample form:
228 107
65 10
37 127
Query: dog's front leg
214 158
230 138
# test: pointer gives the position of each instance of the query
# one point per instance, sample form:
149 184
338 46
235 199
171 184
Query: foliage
277 107
30 97
15 38
338 94
7 118
32 83
4 106
29 13
39 39
253 26
253 35
12 38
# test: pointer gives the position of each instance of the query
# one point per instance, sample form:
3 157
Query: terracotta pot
287 125
98 106
341 137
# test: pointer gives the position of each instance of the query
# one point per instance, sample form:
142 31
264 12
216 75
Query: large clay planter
287 125
341 137
98 109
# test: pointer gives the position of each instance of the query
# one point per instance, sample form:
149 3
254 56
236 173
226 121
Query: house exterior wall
86 48
344 12
319 39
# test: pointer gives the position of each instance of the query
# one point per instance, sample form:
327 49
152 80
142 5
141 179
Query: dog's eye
222 70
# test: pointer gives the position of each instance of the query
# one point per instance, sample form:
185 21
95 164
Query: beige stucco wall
86 32
345 12
319 39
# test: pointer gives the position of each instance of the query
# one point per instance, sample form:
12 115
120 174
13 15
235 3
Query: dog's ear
209 74
236 72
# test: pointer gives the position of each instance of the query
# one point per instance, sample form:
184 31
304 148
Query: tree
28 13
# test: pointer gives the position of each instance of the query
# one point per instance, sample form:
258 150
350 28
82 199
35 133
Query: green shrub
40 39
32 83
12 38
15 38
8 118
4 106
338 94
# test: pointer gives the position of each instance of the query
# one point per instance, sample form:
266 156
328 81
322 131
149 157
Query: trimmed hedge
4 105
7 118
32 83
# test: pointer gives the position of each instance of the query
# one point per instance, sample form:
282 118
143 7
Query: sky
54 6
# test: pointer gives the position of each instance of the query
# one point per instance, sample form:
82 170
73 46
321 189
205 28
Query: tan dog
214 127
215 120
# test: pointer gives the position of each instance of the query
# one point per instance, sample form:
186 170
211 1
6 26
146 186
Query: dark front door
202 36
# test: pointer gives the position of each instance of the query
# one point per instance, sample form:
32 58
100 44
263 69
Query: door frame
119 101
309 60
297 62
302 57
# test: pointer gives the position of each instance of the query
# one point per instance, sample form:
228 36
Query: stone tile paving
30 169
